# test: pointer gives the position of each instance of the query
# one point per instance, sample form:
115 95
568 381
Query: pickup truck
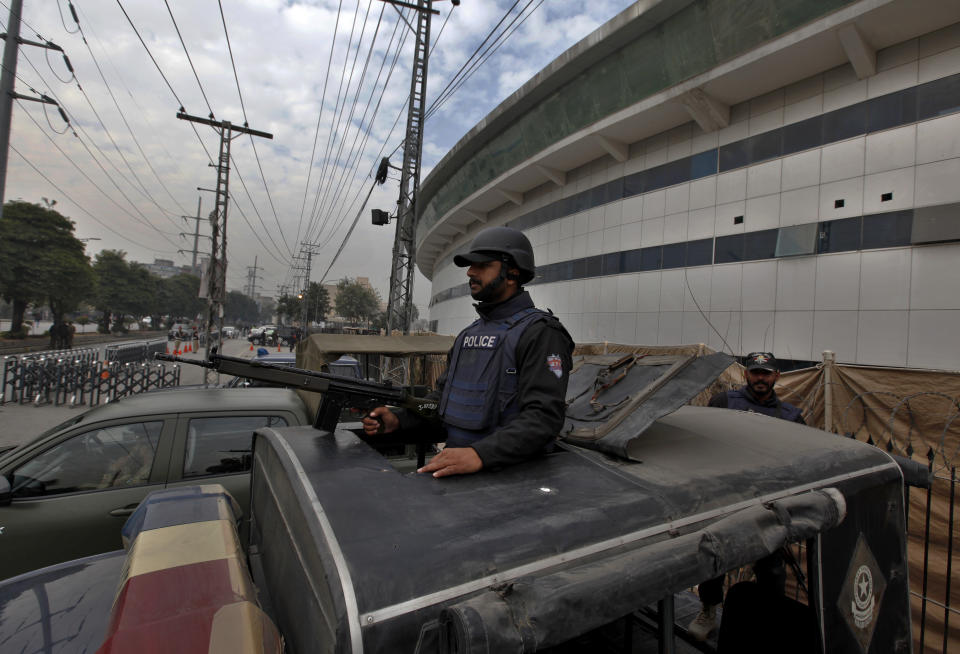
593 542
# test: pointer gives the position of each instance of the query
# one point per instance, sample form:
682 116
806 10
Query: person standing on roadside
757 396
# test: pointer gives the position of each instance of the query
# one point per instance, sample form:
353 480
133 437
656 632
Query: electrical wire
246 123
79 206
189 60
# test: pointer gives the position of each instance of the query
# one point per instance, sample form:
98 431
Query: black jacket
542 395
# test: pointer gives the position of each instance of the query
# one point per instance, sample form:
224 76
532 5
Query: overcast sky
127 169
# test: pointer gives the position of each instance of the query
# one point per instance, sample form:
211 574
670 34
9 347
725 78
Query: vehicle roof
200 399
395 345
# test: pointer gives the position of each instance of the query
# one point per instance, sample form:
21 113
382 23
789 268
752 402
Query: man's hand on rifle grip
380 421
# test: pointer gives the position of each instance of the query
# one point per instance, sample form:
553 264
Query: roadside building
778 176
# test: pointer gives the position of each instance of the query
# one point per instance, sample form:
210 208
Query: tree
289 306
43 261
178 297
356 302
240 308
116 284
318 303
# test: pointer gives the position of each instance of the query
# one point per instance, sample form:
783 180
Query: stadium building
775 175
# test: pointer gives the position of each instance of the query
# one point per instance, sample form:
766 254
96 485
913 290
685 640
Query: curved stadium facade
775 175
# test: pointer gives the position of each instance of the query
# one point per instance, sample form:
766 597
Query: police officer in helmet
502 399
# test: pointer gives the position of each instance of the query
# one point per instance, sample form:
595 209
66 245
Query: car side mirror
6 493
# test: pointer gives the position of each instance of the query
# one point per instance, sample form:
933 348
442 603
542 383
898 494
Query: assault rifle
339 392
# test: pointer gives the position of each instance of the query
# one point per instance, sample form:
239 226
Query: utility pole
7 94
217 278
196 235
252 278
400 304
307 250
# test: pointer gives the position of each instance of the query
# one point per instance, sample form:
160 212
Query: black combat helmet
491 244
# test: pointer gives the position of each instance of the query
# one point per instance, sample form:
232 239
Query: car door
217 448
72 494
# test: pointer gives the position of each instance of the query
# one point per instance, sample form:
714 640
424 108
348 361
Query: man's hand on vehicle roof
454 461
380 421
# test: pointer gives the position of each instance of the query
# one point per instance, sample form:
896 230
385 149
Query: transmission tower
400 304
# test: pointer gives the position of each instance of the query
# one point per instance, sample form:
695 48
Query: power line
245 124
189 60
79 206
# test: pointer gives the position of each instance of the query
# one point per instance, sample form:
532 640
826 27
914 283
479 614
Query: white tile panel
694 328
606 324
656 157
553 253
885 279
844 96
541 253
842 75
736 131
882 338
575 295
800 206
612 214
704 141
566 227
848 190
630 236
596 218
700 223
803 90
806 108
632 209
625 328
732 186
580 244
679 150
935 278
670 328
591 295
933 340
842 160
590 327
652 232
796 283
648 292
727 326
937 183
757 331
703 192
725 287
939 65
762 213
647 328
581 223
837 282
724 224
938 139
594 243
636 162
897 55
800 170
627 286
898 182
677 198
942 39
793 335
611 240
654 204
573 322
837 331
766 103
672 290
891 149
553 230
763 179
894 79
697 289
565 249
758 285
766 122
675 228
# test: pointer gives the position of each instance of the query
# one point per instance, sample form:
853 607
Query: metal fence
79 377
913 414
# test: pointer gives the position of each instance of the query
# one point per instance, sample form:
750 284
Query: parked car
264 355
72 488
230 331
266 335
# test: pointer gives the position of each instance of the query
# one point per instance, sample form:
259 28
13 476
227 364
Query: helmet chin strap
487 292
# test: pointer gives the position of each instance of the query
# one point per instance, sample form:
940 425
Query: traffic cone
251 346
168 347
279 349
189 347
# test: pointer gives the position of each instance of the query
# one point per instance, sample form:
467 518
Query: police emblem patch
555 364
